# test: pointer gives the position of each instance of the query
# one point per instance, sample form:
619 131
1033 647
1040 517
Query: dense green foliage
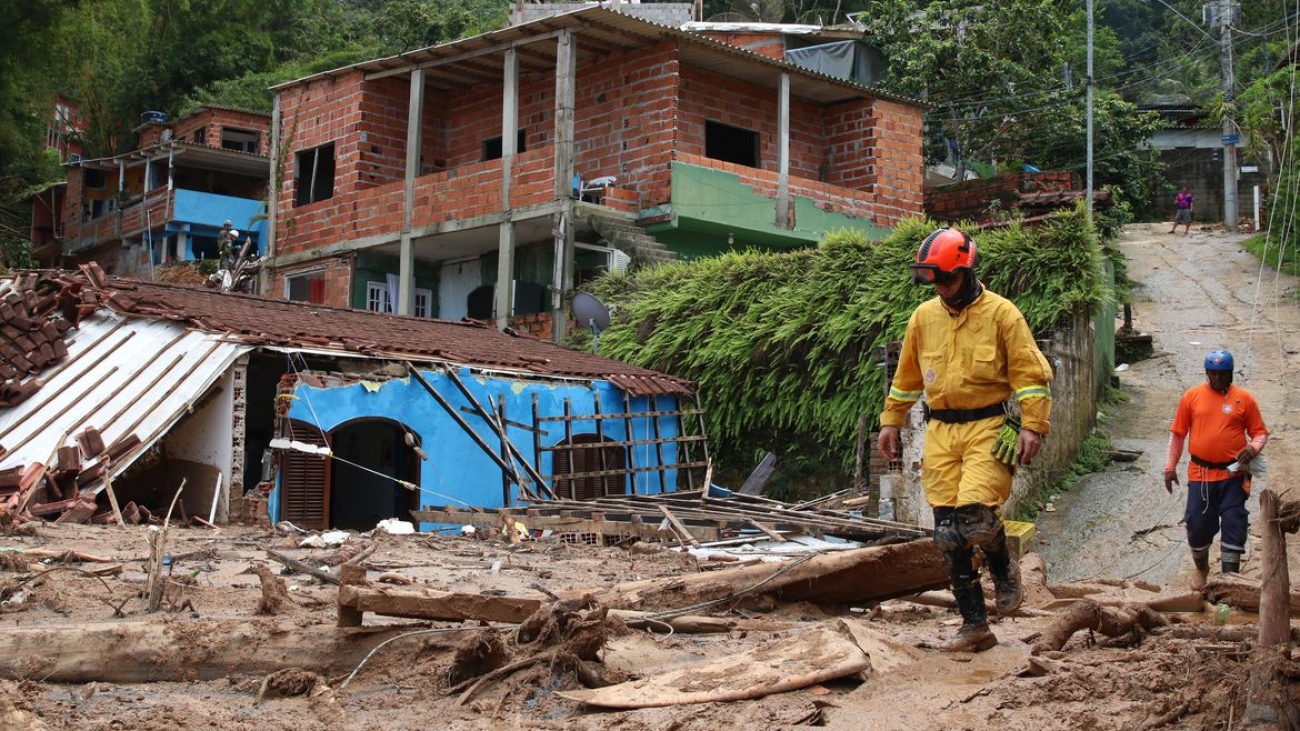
997 75
784 346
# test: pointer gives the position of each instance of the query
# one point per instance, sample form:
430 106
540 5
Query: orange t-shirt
1219 424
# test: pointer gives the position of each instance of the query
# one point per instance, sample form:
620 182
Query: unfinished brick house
165 200
545 152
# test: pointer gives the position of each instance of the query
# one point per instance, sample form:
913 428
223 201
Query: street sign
1232 139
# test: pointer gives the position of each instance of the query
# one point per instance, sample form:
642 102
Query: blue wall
458 471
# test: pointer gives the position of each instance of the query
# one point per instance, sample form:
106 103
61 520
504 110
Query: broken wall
457 470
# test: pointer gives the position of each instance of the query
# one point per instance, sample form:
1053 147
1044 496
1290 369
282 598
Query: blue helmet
1218 360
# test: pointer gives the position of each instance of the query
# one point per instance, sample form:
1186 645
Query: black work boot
1008 592
1231 562
974 635
1202 561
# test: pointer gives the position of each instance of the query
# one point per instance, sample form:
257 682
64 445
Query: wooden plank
439 605
771 533
757 479
679 526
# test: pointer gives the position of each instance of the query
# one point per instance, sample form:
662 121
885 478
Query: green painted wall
712 212
372 267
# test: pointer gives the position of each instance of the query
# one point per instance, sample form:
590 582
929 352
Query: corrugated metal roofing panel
122 376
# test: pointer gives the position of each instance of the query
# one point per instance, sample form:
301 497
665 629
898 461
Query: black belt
961 416
1210 465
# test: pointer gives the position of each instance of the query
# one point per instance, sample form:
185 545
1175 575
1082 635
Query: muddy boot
1008 592
1202 561
974 635
1231 562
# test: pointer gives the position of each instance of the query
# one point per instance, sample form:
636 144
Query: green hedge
783 345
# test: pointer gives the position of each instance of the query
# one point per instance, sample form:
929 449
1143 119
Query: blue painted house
325 417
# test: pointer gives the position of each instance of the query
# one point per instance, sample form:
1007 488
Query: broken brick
91 443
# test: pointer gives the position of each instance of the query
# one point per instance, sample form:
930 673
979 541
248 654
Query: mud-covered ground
1196 293
1193 293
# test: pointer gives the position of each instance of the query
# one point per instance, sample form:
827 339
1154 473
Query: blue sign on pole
1232 139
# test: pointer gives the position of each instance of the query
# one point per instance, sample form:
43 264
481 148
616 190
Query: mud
1193 293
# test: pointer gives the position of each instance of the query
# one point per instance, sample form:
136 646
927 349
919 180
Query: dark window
601 470
315 174
240 139
731 144
492 146
481 303
201 136
95 179
307 288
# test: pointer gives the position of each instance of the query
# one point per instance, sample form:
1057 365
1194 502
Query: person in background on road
967 351
1220 418
1183 203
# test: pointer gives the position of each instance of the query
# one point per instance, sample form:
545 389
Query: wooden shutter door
305 480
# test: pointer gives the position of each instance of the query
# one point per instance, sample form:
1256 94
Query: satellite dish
593 313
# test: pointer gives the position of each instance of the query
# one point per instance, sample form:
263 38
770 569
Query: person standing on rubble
968 351
1227 434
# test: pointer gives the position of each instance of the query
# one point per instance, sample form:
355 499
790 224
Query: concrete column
509 144
406 261
562 281
783 153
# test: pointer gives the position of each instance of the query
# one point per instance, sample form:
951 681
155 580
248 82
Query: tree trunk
1267 699
1109 621
143 652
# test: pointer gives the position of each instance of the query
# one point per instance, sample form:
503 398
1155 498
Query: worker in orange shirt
968 351
1227 434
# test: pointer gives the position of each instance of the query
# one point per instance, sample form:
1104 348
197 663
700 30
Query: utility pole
1089 90
1230 135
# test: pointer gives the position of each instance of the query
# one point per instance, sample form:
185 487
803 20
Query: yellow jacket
966 360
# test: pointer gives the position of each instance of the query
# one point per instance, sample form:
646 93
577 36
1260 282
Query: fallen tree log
856 576
180 650
1242 593
1110 621
841 577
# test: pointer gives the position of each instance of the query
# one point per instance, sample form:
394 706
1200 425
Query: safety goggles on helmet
931 274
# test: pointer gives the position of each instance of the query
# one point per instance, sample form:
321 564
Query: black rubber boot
974 635
1231 562
1201 559
1008 592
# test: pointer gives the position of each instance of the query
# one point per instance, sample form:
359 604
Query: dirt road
1193 293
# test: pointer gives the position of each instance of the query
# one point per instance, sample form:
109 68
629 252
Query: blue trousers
1212 506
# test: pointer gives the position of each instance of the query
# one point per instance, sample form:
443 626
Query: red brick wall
899 161
722 99
978 199
338 279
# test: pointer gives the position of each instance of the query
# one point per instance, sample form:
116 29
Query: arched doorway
371 455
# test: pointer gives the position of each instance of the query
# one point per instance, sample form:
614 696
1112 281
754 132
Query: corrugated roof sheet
124 377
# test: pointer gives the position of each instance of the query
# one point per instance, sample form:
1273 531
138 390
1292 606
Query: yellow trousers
958 466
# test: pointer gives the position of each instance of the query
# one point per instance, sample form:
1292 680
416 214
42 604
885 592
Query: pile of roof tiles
66 488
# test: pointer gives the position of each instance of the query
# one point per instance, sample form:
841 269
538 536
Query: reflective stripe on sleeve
898 395
1033 392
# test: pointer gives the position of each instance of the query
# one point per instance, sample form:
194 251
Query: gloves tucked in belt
1004 449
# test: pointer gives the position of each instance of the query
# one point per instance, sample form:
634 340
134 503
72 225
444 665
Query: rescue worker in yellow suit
968 351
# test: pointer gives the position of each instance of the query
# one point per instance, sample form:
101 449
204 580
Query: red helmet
941 254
